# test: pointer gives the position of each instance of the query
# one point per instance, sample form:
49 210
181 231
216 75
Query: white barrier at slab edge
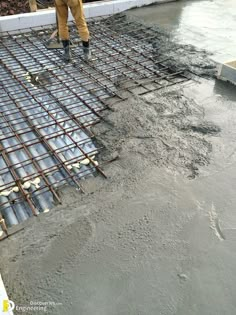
46 17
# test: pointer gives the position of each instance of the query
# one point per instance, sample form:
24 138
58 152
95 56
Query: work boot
87 51
67 54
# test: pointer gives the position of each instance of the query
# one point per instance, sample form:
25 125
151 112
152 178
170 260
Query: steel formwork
47 106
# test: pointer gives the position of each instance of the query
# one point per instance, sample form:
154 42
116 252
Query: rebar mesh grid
47 106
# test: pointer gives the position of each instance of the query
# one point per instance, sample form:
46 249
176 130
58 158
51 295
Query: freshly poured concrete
205 24
151 239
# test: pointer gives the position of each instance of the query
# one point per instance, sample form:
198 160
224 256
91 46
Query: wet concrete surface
205 24
151 239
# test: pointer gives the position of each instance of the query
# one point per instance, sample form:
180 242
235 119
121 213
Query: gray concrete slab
148 240
205 24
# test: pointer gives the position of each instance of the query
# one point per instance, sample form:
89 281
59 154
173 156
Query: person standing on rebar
76 7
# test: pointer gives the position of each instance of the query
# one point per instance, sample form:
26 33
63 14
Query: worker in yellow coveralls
76 7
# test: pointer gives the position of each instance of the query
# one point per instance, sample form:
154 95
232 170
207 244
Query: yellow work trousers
76 7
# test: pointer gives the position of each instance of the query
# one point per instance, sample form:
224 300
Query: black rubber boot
67 54
87 51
